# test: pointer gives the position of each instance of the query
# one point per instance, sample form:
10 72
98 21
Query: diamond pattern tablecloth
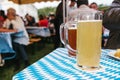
59 66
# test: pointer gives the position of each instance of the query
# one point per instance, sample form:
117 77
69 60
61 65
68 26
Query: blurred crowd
12 22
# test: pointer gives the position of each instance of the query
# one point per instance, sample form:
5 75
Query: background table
7 37
59 66
6 45
39 31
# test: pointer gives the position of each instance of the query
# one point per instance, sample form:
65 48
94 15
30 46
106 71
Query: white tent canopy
31 9
46 4
20 9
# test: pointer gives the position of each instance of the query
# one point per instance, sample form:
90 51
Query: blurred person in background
2 17
111 21
51 23
94 6
57 23
30 21
72 5
52 26
82 7
19 39
43 21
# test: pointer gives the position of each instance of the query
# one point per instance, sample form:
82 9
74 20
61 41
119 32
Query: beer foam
72 28
89 20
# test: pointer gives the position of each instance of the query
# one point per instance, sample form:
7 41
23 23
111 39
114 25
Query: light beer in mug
89 43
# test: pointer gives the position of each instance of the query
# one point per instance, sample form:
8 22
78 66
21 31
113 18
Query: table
39 31
6 45
7 37
59 66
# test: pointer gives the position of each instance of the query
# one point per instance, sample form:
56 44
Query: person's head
94 6
2 12
116 1
41 17
72 3
81 2
11 13
51 16
28 17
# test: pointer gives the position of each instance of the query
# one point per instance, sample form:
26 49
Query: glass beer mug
88 27
68 35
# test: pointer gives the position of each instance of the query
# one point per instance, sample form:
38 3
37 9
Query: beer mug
88 39
68 36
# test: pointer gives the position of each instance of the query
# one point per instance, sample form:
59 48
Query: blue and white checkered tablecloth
59 66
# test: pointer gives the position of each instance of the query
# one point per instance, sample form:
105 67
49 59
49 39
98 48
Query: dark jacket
58 18
111 21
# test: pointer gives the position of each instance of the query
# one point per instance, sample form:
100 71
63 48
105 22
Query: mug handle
62 33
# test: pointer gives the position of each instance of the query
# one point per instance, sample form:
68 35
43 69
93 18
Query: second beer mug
68 36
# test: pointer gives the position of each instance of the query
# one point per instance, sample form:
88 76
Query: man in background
57 23
111 21
19 38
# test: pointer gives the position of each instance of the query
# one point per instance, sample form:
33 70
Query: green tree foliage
46 11
103 7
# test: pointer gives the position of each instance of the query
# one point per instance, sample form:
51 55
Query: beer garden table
7 37
6 45
57 65
39 31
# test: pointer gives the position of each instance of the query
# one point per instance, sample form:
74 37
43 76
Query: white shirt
18 24
82 10
71 8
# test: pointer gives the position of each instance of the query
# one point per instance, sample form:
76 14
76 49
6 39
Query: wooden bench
35 40
32 44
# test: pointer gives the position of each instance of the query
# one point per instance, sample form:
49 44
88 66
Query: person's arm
5 27
112 26
7 30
